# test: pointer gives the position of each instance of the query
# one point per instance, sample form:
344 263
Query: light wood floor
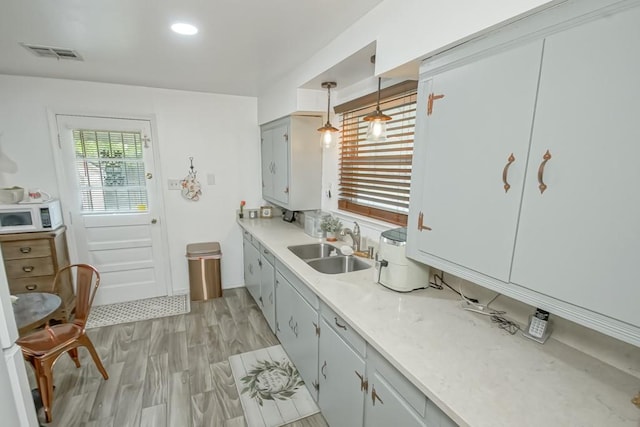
171 371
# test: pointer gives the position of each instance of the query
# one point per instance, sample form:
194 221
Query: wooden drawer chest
32 260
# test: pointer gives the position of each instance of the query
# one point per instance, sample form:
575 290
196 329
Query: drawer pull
339 325
31 287
505 172
542 185
295 329
25 249
28 268
324 366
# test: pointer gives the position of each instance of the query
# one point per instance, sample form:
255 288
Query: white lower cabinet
296 326
351 382
251 267
342 379
267 287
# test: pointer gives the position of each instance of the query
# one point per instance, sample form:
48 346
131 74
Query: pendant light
328 130
377 130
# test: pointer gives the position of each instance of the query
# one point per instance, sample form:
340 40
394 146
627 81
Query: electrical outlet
175 184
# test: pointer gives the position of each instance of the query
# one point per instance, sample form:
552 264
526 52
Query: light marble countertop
474 371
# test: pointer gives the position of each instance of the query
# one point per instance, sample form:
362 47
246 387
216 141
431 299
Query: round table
34 309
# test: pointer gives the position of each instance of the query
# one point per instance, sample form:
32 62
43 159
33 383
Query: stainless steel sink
314 250
338 264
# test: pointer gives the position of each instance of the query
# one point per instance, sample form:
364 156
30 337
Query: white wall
219 131
404 31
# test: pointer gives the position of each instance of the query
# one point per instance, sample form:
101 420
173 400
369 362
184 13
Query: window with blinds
111 171
375 176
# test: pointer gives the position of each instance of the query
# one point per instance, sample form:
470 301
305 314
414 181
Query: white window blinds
375 177
111 171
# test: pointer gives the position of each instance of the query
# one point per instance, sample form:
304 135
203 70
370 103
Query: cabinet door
385 405
280 148
251 269
266 147
579 240
267 292
304 353
341 397
284 312
483 118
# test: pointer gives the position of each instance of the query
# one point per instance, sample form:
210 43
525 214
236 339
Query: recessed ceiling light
184 29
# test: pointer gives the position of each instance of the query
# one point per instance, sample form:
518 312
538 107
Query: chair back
87 282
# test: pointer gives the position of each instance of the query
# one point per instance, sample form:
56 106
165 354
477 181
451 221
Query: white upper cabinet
579 241
564 101
480 117
292 162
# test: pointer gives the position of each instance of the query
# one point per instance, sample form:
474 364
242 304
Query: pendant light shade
328 130
377 130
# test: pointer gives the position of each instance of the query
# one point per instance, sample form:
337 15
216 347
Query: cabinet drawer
31 284
31 267
266 253
298 285
26 249
343 329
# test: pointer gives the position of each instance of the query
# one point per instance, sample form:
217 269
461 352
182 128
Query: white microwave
30 217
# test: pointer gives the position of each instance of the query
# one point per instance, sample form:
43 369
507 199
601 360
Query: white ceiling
241 46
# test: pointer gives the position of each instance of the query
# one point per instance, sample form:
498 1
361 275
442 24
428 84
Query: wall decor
191 188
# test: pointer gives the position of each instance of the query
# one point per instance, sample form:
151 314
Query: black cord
437 285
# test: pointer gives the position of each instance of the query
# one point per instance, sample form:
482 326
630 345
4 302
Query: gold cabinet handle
636 400
364 384
324 366
542 186
505 172
25 250
421 226
339 325
375 396
27 268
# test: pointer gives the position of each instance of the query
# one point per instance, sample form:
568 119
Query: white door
113 203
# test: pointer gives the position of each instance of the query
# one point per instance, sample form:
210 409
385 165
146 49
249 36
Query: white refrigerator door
8 329
16 387
16 402
8 406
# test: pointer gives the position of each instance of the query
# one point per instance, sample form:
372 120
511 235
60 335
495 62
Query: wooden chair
42 348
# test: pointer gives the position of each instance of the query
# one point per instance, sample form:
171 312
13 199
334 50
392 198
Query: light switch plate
175 184
211 179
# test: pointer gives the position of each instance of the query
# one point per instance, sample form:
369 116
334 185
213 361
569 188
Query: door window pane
111 171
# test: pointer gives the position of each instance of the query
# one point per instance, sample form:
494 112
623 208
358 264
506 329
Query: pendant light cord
328 103
378 105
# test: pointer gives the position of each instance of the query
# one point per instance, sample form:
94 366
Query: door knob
154 221
149 175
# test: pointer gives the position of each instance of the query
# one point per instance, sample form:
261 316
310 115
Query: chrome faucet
355 235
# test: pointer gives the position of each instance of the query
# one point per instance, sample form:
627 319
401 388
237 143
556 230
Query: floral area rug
271 390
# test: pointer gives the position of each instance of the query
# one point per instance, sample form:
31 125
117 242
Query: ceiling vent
52 52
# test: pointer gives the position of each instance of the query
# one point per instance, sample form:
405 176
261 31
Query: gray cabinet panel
342 372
